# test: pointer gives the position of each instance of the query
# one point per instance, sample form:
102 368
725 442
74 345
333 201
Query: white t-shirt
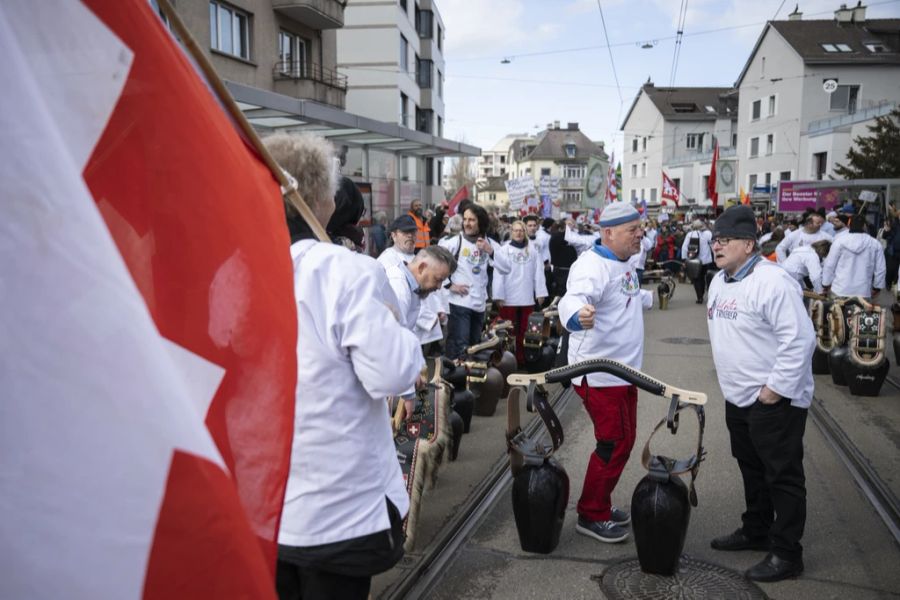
525 280
612 287
471 270
351 354
761 335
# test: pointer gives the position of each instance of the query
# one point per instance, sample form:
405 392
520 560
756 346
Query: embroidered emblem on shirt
630 285
520 257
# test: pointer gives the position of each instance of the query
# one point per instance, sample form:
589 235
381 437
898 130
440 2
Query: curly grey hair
310 159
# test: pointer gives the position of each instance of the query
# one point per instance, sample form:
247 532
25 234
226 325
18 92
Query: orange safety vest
423 235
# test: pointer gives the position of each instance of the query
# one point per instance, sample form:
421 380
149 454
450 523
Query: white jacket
761 335
804 262
854 265
428 327
543 240
580 241
525 280
351 354
797 239
705 256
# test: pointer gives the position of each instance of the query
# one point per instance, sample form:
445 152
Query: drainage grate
689 341
694 580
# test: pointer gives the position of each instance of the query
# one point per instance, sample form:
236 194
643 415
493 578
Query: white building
496 161
674 130
392 55
791 127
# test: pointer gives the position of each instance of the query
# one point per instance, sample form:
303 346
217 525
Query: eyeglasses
723 241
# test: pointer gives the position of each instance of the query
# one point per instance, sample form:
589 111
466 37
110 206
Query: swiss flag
150 324
669 189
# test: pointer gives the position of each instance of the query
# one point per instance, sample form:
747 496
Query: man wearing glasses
762 344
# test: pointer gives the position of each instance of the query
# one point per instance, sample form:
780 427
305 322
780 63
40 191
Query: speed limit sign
830 85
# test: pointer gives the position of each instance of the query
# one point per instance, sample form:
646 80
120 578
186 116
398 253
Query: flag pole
288 187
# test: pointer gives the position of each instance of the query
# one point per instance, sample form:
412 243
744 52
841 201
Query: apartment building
496 161
674 130
392 53
808 89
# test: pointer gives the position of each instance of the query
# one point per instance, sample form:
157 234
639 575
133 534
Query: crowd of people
367 323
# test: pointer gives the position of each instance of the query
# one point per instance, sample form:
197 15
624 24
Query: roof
688 103
807 39
551 144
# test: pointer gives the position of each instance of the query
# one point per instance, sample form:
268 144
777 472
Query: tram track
873 487
430 566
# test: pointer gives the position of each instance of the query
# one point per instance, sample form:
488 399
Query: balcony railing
571 182
825 125
296 70
705 156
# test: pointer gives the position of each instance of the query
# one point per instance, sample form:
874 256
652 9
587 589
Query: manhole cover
695 580
686 341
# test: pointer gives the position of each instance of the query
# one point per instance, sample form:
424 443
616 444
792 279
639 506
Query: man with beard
602 309
403 242
423 231
468 285
762 344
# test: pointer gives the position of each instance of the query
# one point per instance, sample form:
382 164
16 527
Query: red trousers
613 411
519 317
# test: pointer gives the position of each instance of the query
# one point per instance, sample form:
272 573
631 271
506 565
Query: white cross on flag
669 189
611 183
149 328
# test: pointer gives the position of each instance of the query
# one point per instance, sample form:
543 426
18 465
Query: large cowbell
661 502
540 490
866 365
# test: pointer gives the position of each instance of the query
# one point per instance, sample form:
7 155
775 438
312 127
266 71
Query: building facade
674 130
392 54
808 89
496 161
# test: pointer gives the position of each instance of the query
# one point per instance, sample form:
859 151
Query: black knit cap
736 222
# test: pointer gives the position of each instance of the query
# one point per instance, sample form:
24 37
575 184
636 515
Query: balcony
688 158
823 126
571 182
312 82
317 14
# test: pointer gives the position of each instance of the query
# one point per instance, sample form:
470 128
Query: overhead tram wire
679 34
615 74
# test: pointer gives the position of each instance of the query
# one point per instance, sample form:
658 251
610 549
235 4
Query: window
429 171
440 128
634 194
634 145
545 172
836 48
424 23
829 47
693 141
572 197
705 187
440 84
770 144
757 105
291 54
643 169
502 159
784 176
229 30
643 195
772 106
424 120
570 150
844 98
404 109
677 182
503 171
820 164
423 72
768 179
404 52
492 196
403 5
762 68
754 147
634 170
652 194
876 47
734 139
644 144
844 48
751 182
440 38
573 171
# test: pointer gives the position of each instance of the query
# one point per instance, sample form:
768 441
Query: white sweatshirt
761 335
427 327
854 265
611 287
543 240
797 239
525 280
472 270
804 262
705 256
582 242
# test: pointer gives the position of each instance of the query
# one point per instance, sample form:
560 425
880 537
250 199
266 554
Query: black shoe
773 568
700 301
739 541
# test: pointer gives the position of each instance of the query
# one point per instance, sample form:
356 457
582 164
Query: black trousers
700 284
767 441
342 570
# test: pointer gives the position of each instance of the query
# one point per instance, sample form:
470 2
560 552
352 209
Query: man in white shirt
762 344
345 499
602 309
855 265
805 263
807 236
468 285
582 242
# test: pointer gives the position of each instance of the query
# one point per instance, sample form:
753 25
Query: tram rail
429 567
873 487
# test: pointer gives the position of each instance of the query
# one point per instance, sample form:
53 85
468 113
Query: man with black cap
403 242
762 344
602 309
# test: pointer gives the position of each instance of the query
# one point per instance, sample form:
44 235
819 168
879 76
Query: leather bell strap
522 449
661 468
